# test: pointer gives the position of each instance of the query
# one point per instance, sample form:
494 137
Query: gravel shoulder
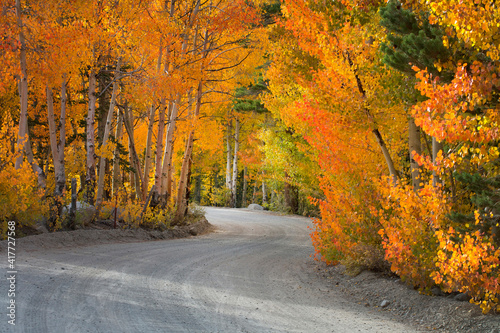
392 296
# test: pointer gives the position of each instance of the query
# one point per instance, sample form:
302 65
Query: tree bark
159 148
168 151
387 156
436 147
116 155
52 128
182 198
375 131
245 184
264 192
61 173
147 157
57 148
415 148
235 162
22 137
134 158
228 155
90 165
105 138
159 138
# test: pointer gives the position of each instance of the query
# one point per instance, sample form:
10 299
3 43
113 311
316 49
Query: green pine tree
412 41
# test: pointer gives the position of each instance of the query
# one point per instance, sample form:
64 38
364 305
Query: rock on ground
255 207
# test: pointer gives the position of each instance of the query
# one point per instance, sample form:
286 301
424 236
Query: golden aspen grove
379 119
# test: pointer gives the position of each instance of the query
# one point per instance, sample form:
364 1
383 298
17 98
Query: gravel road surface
254 274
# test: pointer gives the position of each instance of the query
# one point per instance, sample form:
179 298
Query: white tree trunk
159 146
61 173
186 161
169 148
264 191
105 138
57 148
228 154
235 162
245 185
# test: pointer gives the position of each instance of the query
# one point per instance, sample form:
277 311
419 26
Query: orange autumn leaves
459 111
335 92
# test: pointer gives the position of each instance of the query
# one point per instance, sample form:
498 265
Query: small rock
255 207
462 297
436 291
384 303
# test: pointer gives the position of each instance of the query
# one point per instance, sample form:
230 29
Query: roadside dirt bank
102 233
440 313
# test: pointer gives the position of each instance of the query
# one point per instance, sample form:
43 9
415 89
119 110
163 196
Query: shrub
20 198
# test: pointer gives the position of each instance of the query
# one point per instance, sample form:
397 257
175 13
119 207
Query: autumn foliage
382 115
408 153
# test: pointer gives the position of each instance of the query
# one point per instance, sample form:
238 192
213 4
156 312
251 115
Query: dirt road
254 274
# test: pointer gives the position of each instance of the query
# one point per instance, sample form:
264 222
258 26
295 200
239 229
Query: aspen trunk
264 193
375 131
235 162
22 138
61 173
169 180
90 166
134 158
181 201
264 190
159 148
116 156
159 138
57 148
182 197
168 151
436 147
52 128
131 174
245 184
415 147
166 169
105 138
387 156
228 156
184 179
147 157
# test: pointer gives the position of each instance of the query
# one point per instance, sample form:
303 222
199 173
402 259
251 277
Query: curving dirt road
254 274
